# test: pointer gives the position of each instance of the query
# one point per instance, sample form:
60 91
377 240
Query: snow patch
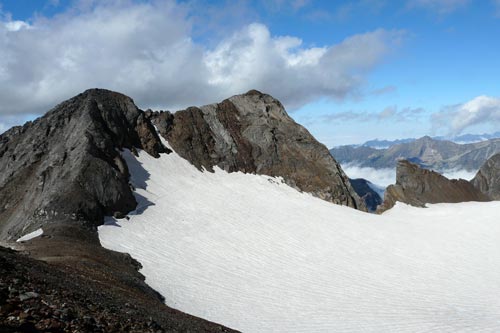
31 235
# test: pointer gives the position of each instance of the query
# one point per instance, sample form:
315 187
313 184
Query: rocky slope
487 179
253 133
417 186
426 152
40 297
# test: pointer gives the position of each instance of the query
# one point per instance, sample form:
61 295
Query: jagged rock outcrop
487 179
253 133
417 186
370 197
66 165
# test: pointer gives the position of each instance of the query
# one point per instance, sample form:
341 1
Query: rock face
417 186
66 166
426 152
252 133
487 179
371 198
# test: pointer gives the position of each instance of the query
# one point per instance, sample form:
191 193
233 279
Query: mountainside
426 152
252 133
64 173
417 186
487 179
461 139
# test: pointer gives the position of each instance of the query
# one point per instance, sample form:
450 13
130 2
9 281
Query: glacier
249 252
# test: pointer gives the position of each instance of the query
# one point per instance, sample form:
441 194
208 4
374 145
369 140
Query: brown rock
252 133
416 186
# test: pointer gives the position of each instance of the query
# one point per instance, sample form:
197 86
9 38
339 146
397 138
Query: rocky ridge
417 186
253 133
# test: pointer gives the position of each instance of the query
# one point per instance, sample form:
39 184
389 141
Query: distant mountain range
427 152
461 139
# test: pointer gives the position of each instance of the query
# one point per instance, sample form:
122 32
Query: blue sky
348 70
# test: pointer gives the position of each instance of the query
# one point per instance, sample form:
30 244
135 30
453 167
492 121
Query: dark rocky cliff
66 166
487 179
417 186
253 133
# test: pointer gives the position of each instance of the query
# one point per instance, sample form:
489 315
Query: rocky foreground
39 297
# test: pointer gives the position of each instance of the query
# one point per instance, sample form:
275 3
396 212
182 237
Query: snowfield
251 253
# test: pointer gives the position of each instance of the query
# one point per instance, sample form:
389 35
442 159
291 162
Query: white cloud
146 51
482 110
381 177
16 25
438 6
458 174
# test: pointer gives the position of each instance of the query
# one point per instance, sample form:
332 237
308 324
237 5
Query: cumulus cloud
482 110
438 6
146 50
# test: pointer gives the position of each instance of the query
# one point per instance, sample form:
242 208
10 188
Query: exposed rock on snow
252 133
417 186
487 179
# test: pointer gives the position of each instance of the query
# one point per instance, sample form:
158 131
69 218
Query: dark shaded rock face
417 186
371 198
252 133
487 179
66 165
